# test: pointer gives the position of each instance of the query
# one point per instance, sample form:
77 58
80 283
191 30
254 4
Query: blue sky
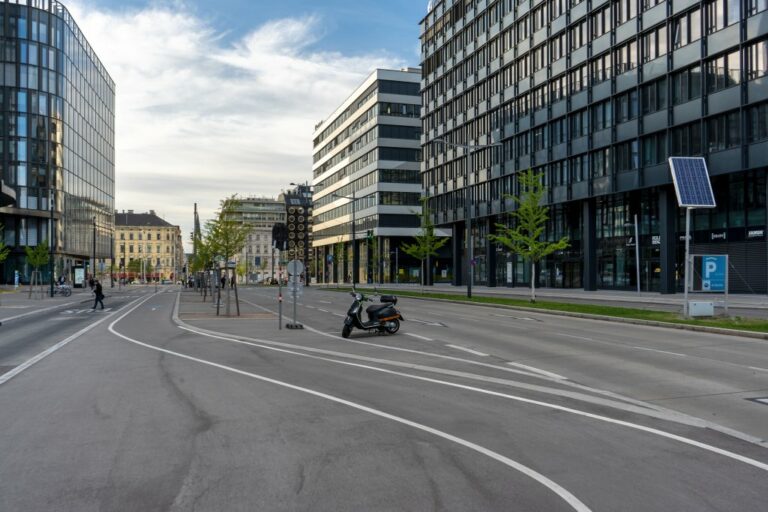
216 98
350 25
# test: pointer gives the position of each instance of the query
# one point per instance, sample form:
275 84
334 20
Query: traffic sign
713 271
295 267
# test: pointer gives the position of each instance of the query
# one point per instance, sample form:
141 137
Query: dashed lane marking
457 347
661 351
417 336
538 370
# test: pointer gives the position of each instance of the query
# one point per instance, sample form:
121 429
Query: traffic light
369 235
280 236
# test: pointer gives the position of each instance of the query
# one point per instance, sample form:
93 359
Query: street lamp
352 233
469 149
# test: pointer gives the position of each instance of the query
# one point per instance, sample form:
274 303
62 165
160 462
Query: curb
615 319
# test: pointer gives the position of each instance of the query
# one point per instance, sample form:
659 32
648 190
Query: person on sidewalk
99 295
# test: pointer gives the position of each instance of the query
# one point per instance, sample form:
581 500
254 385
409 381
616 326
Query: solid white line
538 370
325 302
516 398
42 355
417 336
468 350
660 351
553 486
340 315
323 310
758 369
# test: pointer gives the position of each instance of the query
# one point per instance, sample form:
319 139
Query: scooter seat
376 307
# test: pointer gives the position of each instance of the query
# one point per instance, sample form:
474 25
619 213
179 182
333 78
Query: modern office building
261 213
596 95
57 130
147 247
369 150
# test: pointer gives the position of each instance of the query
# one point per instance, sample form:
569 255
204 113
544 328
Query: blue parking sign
713 273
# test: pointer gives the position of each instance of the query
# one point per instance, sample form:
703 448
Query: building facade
369 150
595 95
147 248
261 213
57 142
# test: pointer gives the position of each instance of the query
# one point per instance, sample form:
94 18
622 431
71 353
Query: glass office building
57 129
369 150
595 95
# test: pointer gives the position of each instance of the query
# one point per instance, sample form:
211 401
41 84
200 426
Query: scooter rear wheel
392 326
346 331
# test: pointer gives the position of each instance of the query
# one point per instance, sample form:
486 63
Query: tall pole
112 261
354 248
637 254
687 258
470 244
53 245
93 260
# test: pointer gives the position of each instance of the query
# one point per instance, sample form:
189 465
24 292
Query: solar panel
692 184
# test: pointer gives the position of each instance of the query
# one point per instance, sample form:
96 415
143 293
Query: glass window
655 43
722 13
757 122
686 140
654 149
626 57
756 6
723 71
686 85
686 28
627 156
626 106
723 131
625 10
654 96
602 117
757 59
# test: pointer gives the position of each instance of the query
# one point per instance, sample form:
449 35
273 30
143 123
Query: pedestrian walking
99 295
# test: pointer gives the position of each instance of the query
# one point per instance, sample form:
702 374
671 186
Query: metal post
727 285
470 245
50 256
687 262
93 260
397 266
112 261
637 253
279 292
354 248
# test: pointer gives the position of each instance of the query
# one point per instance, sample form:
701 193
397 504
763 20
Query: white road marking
325 302
553 486
650 430
42 355
538 370
758 369
762 400
417 336
433 324
457 347
36 311
575 337
661 351
323 310
311 307
340 315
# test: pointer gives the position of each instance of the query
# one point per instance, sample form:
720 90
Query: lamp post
352 233
93 260
469 149
53 244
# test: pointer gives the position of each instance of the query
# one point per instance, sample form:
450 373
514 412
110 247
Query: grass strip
737 323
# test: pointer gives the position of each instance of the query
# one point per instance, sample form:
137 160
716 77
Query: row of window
142 248
139 235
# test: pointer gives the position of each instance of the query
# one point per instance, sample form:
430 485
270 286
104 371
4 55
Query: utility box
701 308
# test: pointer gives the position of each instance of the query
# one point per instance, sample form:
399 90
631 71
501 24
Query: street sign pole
279 291
687 260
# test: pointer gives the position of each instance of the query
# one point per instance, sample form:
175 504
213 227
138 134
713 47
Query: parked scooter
382 317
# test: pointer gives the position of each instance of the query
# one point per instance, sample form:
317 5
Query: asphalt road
161 407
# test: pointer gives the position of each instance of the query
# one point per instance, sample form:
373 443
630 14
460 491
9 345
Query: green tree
339 258
134 266
530 219
4 250
426 244
226 234
37 256
240 269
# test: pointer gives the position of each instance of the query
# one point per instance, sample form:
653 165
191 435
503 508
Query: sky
220 97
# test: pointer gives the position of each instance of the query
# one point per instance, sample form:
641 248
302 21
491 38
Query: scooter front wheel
392 326
346 331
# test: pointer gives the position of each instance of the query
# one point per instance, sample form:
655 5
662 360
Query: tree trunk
533 281
421 274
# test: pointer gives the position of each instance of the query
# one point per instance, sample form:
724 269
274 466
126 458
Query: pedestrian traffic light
369 235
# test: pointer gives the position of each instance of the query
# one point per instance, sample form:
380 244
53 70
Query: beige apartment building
147 247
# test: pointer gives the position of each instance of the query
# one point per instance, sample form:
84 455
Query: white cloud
199 119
